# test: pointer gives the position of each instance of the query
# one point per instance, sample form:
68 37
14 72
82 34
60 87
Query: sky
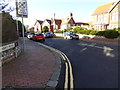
45 9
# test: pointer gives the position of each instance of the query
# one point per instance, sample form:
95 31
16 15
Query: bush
100 33
93 32
60 31
107 33
45 29
117 29
111 34
87 32
78 30
69 28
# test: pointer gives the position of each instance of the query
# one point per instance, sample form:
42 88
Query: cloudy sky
45 9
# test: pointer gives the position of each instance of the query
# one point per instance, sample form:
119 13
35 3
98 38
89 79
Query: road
95 65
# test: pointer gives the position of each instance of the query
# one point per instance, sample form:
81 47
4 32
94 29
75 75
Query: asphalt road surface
95 65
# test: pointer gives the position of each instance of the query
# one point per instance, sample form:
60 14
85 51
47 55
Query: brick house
56 24
106 16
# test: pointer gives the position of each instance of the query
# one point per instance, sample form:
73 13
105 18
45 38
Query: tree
9 32
31 29
27 27
4 6
20 27
45 29
69 29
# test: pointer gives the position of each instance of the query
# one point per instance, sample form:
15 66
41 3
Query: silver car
70 35
49 34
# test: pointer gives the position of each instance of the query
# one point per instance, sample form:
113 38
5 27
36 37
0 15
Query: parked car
49 34
70 35
30 35
38 37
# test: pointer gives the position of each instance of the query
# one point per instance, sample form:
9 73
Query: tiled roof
79 23
58 21
49 21
103 8
40 22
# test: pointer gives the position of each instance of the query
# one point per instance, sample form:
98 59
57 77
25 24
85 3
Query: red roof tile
58 21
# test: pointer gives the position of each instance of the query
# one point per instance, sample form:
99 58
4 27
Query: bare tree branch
4 6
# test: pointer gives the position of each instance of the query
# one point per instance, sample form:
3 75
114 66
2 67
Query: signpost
22 11
6 47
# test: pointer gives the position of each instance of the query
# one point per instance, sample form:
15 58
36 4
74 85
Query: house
38 26
81 24
90 25
56 24
31 29
114 15
48 23
106 16
67 22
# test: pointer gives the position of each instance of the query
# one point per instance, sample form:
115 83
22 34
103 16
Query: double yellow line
67 65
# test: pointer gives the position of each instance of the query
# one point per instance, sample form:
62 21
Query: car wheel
43 39
71 38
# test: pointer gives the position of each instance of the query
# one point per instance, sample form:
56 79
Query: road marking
94 46
83 49
66 64
71 74
66 77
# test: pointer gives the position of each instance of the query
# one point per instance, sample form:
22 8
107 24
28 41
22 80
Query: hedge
107 33
59 31
111 34
9 32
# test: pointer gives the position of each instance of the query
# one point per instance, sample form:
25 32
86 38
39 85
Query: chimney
71 14
54 15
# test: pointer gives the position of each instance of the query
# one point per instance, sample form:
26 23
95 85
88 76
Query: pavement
104 40
32 69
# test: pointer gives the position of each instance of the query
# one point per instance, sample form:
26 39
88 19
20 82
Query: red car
38 37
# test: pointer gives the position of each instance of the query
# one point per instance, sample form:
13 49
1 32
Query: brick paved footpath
31 69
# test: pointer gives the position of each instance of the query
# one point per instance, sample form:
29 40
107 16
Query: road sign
6 47
21 8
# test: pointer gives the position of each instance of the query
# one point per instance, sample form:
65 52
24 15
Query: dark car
49 34
38 37
70 35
